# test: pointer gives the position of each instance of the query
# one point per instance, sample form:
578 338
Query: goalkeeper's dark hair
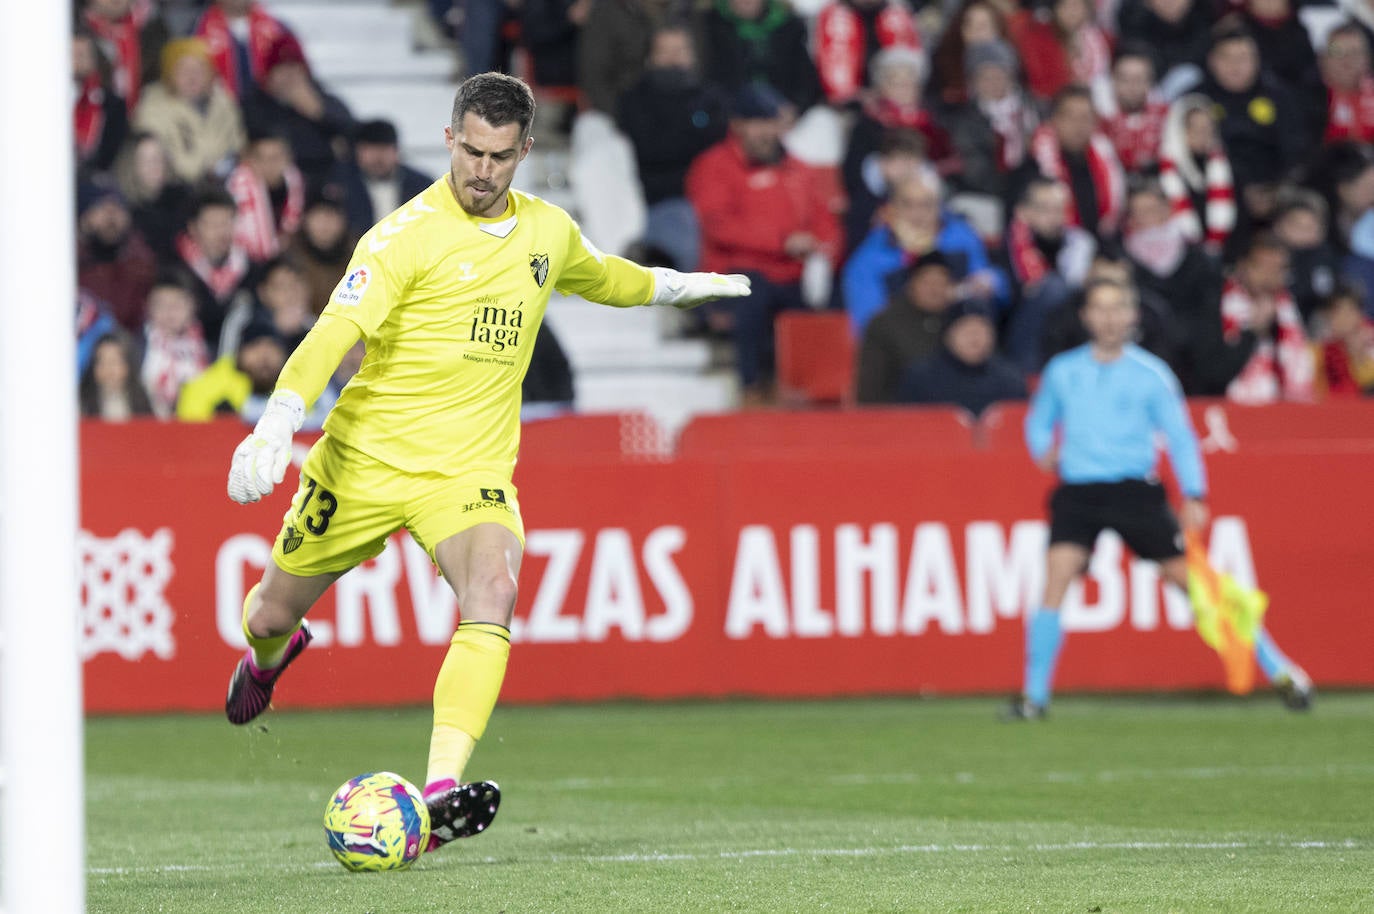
497 99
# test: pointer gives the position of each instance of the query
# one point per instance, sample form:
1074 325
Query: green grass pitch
1179 804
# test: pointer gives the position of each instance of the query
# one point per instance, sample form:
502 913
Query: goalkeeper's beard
489 204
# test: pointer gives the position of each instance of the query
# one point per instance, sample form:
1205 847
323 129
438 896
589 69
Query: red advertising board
848 552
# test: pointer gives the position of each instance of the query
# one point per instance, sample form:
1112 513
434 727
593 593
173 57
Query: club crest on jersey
351 288
539 266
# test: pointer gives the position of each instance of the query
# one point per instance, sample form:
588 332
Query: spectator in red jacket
1061 47
114 263
848 33
1349 86
762 213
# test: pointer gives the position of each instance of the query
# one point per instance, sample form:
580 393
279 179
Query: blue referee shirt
1110 416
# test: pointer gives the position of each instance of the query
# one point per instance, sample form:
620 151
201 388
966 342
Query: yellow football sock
267 652
465 694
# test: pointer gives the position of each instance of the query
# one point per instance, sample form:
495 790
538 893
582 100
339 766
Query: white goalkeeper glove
687 290
260 460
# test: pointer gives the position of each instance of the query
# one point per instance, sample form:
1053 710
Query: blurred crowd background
928 186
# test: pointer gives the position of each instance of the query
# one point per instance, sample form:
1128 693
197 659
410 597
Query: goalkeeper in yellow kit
447 293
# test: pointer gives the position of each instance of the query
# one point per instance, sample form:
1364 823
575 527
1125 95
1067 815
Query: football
375 822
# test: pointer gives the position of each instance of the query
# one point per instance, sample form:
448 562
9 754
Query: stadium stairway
368 52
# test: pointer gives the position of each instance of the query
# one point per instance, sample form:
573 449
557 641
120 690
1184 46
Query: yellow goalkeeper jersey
449 305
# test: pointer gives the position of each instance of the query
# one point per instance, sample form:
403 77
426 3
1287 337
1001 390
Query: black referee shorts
1136 509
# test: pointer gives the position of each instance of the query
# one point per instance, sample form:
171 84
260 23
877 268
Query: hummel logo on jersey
539 266
465 272
376 245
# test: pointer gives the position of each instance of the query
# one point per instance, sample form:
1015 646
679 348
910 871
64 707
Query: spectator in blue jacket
914 224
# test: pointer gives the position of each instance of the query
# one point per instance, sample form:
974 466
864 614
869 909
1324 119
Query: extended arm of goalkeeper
687 290
260 460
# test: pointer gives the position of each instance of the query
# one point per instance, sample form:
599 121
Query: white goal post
42 813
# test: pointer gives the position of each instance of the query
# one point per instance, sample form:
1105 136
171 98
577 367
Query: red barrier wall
775 554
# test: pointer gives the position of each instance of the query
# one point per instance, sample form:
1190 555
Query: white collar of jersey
499 229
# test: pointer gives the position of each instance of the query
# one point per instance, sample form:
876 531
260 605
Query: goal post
42 812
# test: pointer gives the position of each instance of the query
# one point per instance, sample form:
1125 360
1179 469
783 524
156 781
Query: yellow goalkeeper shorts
348 504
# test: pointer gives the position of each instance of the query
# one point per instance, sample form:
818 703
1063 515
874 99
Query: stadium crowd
949 175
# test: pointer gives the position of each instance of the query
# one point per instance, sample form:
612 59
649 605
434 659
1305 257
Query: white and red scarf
263 34
1180 178
1012 120
169 361
122 43
1350 114
840 45
222 280
1281 367
256 227
1102 164
1136 134
1028 262
88 116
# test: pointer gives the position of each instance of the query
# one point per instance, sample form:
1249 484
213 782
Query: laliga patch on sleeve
351 288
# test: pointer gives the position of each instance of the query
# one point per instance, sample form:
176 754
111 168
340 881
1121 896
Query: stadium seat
815 357
631 436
